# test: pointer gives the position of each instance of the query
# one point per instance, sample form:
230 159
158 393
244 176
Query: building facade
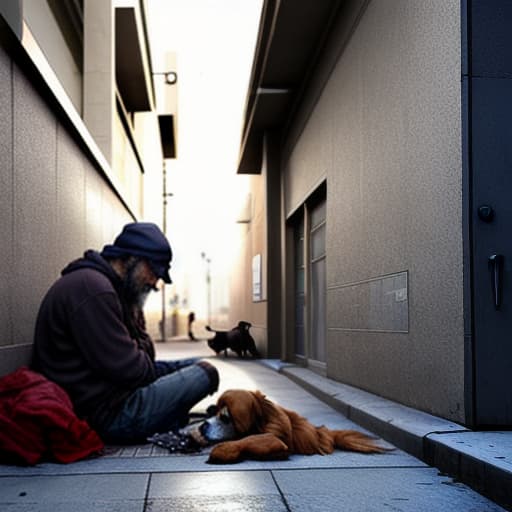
80 145
376 136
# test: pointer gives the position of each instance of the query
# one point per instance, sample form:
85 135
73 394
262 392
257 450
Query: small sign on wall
256 278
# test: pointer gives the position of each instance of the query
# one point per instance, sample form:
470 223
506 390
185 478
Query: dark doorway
309 281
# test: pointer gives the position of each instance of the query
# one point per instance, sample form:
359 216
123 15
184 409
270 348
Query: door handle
495 264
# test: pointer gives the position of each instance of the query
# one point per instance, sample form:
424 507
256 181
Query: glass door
317 273
299 292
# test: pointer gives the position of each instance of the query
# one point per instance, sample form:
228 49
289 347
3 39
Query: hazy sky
214 43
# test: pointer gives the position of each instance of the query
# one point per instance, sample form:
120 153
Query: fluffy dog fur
265 430
237 339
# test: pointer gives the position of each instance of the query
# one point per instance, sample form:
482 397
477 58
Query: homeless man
90 339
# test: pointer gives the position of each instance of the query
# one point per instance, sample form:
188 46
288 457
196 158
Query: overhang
291 35
167 128
133 74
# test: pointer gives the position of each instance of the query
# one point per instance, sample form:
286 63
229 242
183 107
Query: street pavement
149 478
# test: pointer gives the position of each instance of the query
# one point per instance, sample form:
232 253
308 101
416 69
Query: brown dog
257 428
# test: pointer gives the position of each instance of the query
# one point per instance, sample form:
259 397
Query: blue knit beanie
146 240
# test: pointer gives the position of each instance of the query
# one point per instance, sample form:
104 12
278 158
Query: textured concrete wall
53 205
386 132
312 157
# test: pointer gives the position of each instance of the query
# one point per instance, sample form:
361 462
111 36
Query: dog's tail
355 441
208 328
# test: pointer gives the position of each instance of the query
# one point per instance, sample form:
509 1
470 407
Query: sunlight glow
214 42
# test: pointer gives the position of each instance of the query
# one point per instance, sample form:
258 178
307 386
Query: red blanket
37 422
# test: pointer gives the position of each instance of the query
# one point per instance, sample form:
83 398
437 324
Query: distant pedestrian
191 319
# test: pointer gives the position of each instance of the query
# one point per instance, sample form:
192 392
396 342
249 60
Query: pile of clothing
37 422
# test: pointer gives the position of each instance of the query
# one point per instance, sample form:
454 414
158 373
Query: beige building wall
386 134
252 243
98 80
44 27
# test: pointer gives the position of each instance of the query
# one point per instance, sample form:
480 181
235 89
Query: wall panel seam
10 307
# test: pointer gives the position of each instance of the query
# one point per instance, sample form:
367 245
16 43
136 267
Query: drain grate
145 450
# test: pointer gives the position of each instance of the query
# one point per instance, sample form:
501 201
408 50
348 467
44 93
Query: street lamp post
208 285
165 195
166 125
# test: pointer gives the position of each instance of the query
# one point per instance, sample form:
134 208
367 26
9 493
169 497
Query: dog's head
244 326
239 412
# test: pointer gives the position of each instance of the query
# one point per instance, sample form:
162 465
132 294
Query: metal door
490 142
492 250
488 64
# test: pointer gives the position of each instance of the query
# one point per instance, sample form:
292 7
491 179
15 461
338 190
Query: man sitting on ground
90 338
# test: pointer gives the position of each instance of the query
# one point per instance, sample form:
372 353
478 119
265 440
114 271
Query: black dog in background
237 339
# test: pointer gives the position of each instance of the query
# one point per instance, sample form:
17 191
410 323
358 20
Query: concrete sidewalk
148 478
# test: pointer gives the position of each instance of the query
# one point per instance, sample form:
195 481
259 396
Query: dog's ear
258 407
244 408
264 408
259 400
260 397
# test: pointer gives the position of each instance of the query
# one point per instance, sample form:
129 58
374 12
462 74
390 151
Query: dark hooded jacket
90 343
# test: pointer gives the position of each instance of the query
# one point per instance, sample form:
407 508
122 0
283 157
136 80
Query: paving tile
231 503
375 490
193 463
87 493
233 491
222 483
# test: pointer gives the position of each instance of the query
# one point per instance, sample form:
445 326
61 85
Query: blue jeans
162 405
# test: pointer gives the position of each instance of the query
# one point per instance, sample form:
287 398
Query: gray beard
142 297
134 294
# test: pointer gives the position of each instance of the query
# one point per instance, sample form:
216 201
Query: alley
148 478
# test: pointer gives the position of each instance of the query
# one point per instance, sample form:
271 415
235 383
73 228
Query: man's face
139 280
